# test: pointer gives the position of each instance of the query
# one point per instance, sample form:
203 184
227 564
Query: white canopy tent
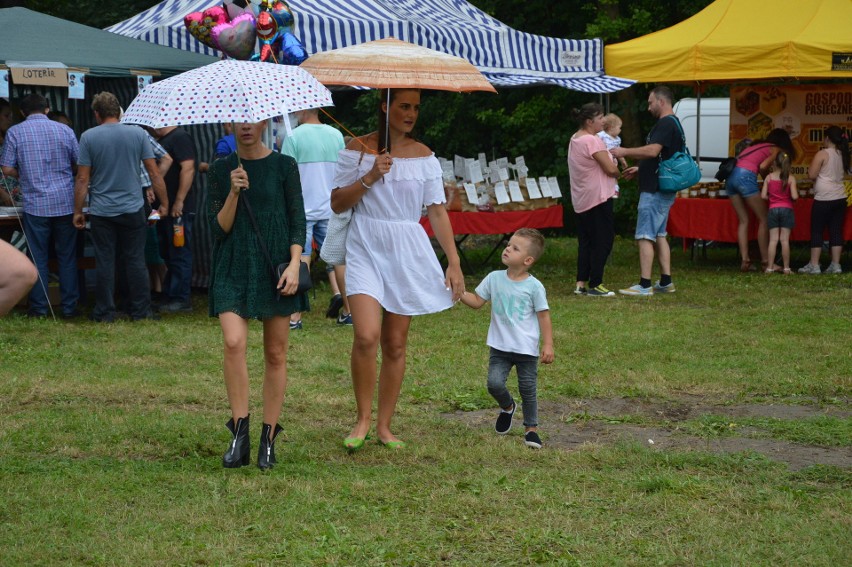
507 57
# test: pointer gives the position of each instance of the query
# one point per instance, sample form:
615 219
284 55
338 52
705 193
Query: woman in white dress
392 272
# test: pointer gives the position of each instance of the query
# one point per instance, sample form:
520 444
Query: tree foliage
98 14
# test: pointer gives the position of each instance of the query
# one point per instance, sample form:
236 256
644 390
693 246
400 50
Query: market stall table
502 223
9 223
715 219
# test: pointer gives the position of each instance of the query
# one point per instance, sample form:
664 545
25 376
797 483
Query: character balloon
274 35
267 37
200 24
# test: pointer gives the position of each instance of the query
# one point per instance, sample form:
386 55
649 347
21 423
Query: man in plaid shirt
43 155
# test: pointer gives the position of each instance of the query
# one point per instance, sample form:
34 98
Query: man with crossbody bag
664 140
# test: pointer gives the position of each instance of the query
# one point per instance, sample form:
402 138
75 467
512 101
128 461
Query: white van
715 126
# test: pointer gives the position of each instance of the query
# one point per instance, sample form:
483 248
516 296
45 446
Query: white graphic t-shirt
514 305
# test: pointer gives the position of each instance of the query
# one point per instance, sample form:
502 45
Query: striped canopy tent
507 57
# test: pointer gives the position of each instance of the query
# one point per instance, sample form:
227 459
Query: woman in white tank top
827 169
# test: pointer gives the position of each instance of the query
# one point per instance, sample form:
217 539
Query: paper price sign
532 188
500 193
515 192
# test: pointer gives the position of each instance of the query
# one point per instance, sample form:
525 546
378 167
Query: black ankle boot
266 451
240 450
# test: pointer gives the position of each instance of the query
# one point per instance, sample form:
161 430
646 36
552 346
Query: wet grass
112 437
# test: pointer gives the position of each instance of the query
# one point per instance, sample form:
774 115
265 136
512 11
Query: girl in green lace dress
241 280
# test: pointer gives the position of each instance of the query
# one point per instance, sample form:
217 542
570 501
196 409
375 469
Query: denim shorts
741 182
780 217
653 215
315 231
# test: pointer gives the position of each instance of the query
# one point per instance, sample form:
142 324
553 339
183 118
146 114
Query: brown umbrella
393 64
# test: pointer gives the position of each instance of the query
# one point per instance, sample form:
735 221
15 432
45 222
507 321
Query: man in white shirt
315 147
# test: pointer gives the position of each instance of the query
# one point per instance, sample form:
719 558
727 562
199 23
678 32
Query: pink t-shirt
779 195
590 186
752 156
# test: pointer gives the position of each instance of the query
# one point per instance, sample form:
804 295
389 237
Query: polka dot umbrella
227 91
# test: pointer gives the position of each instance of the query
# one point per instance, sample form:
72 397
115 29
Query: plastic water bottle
178 239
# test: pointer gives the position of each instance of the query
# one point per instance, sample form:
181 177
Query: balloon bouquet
232 28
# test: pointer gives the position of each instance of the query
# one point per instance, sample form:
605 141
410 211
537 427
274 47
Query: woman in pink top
592 171
827 169
744 192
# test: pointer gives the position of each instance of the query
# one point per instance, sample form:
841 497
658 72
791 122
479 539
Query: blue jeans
653 215
178 259
315 231
499 365
38 231
126 231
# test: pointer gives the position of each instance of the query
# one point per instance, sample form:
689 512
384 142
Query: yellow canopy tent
743 39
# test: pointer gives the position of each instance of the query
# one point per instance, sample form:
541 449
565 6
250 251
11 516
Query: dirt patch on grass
602 421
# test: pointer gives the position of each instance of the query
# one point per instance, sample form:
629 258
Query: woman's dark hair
781 138
586 112
61 117
384 145
4 104
840 139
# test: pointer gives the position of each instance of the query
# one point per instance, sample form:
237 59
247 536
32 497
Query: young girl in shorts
779 188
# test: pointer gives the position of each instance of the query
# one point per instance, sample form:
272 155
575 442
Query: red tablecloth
500 222
715 219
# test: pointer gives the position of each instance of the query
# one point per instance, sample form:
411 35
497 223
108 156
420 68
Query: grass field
111 444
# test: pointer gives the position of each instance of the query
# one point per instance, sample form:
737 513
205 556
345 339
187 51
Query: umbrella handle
387 124
236 145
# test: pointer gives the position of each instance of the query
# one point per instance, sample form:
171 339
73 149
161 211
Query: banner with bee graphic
804 111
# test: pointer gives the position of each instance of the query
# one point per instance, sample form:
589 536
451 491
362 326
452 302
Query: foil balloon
274 23
282 14
292 50
236 38
267 37
236 8
200 24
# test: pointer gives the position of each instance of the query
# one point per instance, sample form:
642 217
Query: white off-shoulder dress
388 254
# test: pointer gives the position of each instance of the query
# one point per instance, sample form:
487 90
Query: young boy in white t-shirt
519 317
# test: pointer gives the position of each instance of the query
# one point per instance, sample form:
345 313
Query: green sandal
353 444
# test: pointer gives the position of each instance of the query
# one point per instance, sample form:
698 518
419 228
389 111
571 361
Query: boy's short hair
535 239
611 120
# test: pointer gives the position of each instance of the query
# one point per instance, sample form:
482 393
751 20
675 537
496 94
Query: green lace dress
240 277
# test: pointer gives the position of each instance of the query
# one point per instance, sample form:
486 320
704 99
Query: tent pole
698 122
